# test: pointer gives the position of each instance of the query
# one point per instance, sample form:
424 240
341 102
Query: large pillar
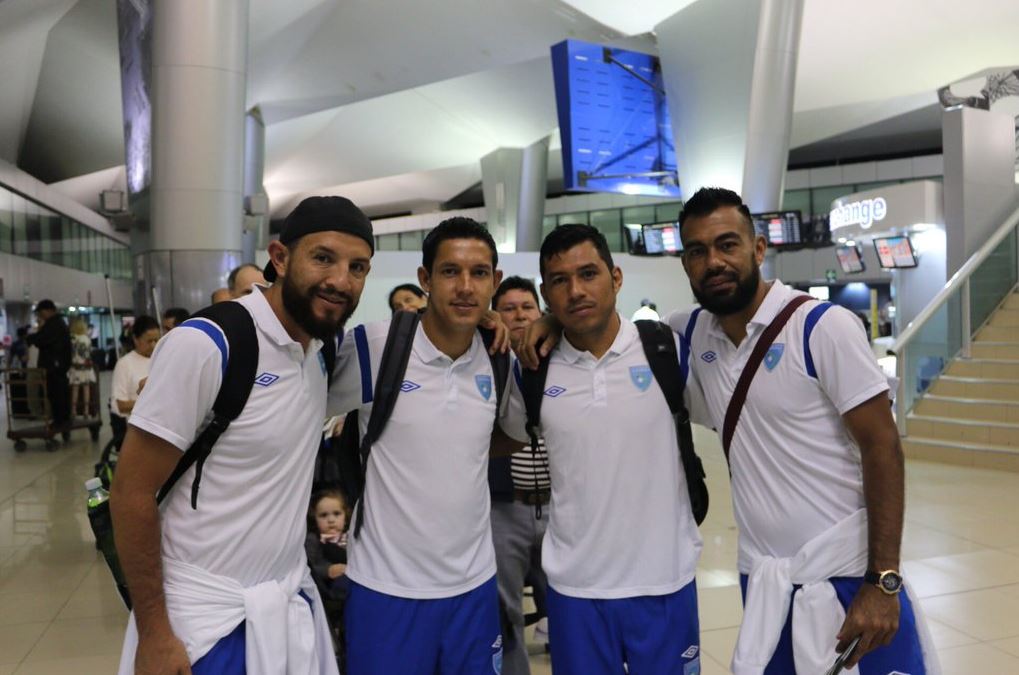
514 183
256 200
980 190
199 62
729 68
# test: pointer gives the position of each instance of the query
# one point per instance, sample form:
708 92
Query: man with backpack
622 544
814 454
423 597
218 576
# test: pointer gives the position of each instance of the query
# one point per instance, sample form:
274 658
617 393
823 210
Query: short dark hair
411 288
178 314
515 284
231 280
707 200
565 237
457 227
143 324
44 305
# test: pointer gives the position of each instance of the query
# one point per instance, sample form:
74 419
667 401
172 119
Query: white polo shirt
251 518
426 532
130 370
795 469
620 523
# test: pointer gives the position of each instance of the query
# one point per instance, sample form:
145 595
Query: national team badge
484 383
322 363
641 377
773 356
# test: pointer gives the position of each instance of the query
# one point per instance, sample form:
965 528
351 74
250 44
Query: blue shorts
227 656
651 634
446 636
903 654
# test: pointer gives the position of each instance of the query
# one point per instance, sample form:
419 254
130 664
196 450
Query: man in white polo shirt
816 463
222 586
622 546
423 597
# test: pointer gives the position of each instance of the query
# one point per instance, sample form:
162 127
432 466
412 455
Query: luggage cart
29 414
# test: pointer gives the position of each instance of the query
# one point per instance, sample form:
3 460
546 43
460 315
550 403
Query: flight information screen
780 228
662 239
895 252
850 259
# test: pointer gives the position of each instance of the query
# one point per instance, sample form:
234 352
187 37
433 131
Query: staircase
970 415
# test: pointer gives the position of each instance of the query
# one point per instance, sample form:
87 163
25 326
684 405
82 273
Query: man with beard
816 463
223 586
423 597
622 545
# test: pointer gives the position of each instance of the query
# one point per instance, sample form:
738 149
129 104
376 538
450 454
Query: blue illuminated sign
613 120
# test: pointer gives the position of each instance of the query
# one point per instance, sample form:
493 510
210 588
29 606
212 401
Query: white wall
27 280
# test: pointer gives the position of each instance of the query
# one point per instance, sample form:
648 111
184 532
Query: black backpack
352 451
660 349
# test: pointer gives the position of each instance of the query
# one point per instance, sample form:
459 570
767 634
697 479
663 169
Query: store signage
864 213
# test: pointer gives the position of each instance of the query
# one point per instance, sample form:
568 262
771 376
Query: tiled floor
59 612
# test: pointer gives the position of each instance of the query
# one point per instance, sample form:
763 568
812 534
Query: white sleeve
346 390
843 361
121 382
513 417
693 396
184 379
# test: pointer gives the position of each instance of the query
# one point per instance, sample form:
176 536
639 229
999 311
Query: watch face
890 582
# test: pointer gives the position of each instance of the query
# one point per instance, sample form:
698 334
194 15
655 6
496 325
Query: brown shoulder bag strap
739 396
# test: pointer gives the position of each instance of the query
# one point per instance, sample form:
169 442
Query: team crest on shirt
773 356
641 377
322 364
484 383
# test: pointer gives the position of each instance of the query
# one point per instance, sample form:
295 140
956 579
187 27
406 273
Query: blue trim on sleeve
808 327
685 343
215 334
364 360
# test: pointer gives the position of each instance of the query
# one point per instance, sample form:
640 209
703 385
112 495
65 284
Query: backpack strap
329 351
660 349
238 344
532 388
808 327
392 368
739 396
686 344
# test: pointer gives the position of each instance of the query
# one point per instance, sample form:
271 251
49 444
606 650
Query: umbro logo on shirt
265 379
709 357
409 386
552 392
691 652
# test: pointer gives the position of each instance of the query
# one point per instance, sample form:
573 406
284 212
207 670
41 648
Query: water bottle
102 527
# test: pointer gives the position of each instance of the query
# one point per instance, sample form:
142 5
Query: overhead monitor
613 121
850 259
780 228
662 239
895 252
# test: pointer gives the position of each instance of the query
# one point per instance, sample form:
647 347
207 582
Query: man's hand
546 331
493 321
161 653
872 614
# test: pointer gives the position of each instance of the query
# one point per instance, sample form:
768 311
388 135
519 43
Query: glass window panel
667 212
797 200
638 215
33 230
18 217
411 241
6 221
608 223
574 218
822 198
548 223
389 242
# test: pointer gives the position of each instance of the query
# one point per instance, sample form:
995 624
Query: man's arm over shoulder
513 416
353 376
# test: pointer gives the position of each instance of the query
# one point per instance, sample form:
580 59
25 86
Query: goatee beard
739 300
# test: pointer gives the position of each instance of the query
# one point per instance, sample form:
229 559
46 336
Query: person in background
242 279
81 375
17 357
519 485
174 317
131 371
648 311
407 297
53 339
221 295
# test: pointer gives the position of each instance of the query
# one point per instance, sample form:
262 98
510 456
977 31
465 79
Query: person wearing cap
53 340
225 588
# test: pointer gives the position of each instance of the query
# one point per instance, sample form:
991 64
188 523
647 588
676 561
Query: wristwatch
889 581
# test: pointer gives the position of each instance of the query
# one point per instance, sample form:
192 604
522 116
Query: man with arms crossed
622 546
816 463
423 597
225 588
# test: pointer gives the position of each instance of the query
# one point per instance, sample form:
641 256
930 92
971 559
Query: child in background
81 375
326 546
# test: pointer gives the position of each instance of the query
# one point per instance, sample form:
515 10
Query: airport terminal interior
149 148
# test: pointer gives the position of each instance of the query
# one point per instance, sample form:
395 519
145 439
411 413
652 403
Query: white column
514 183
